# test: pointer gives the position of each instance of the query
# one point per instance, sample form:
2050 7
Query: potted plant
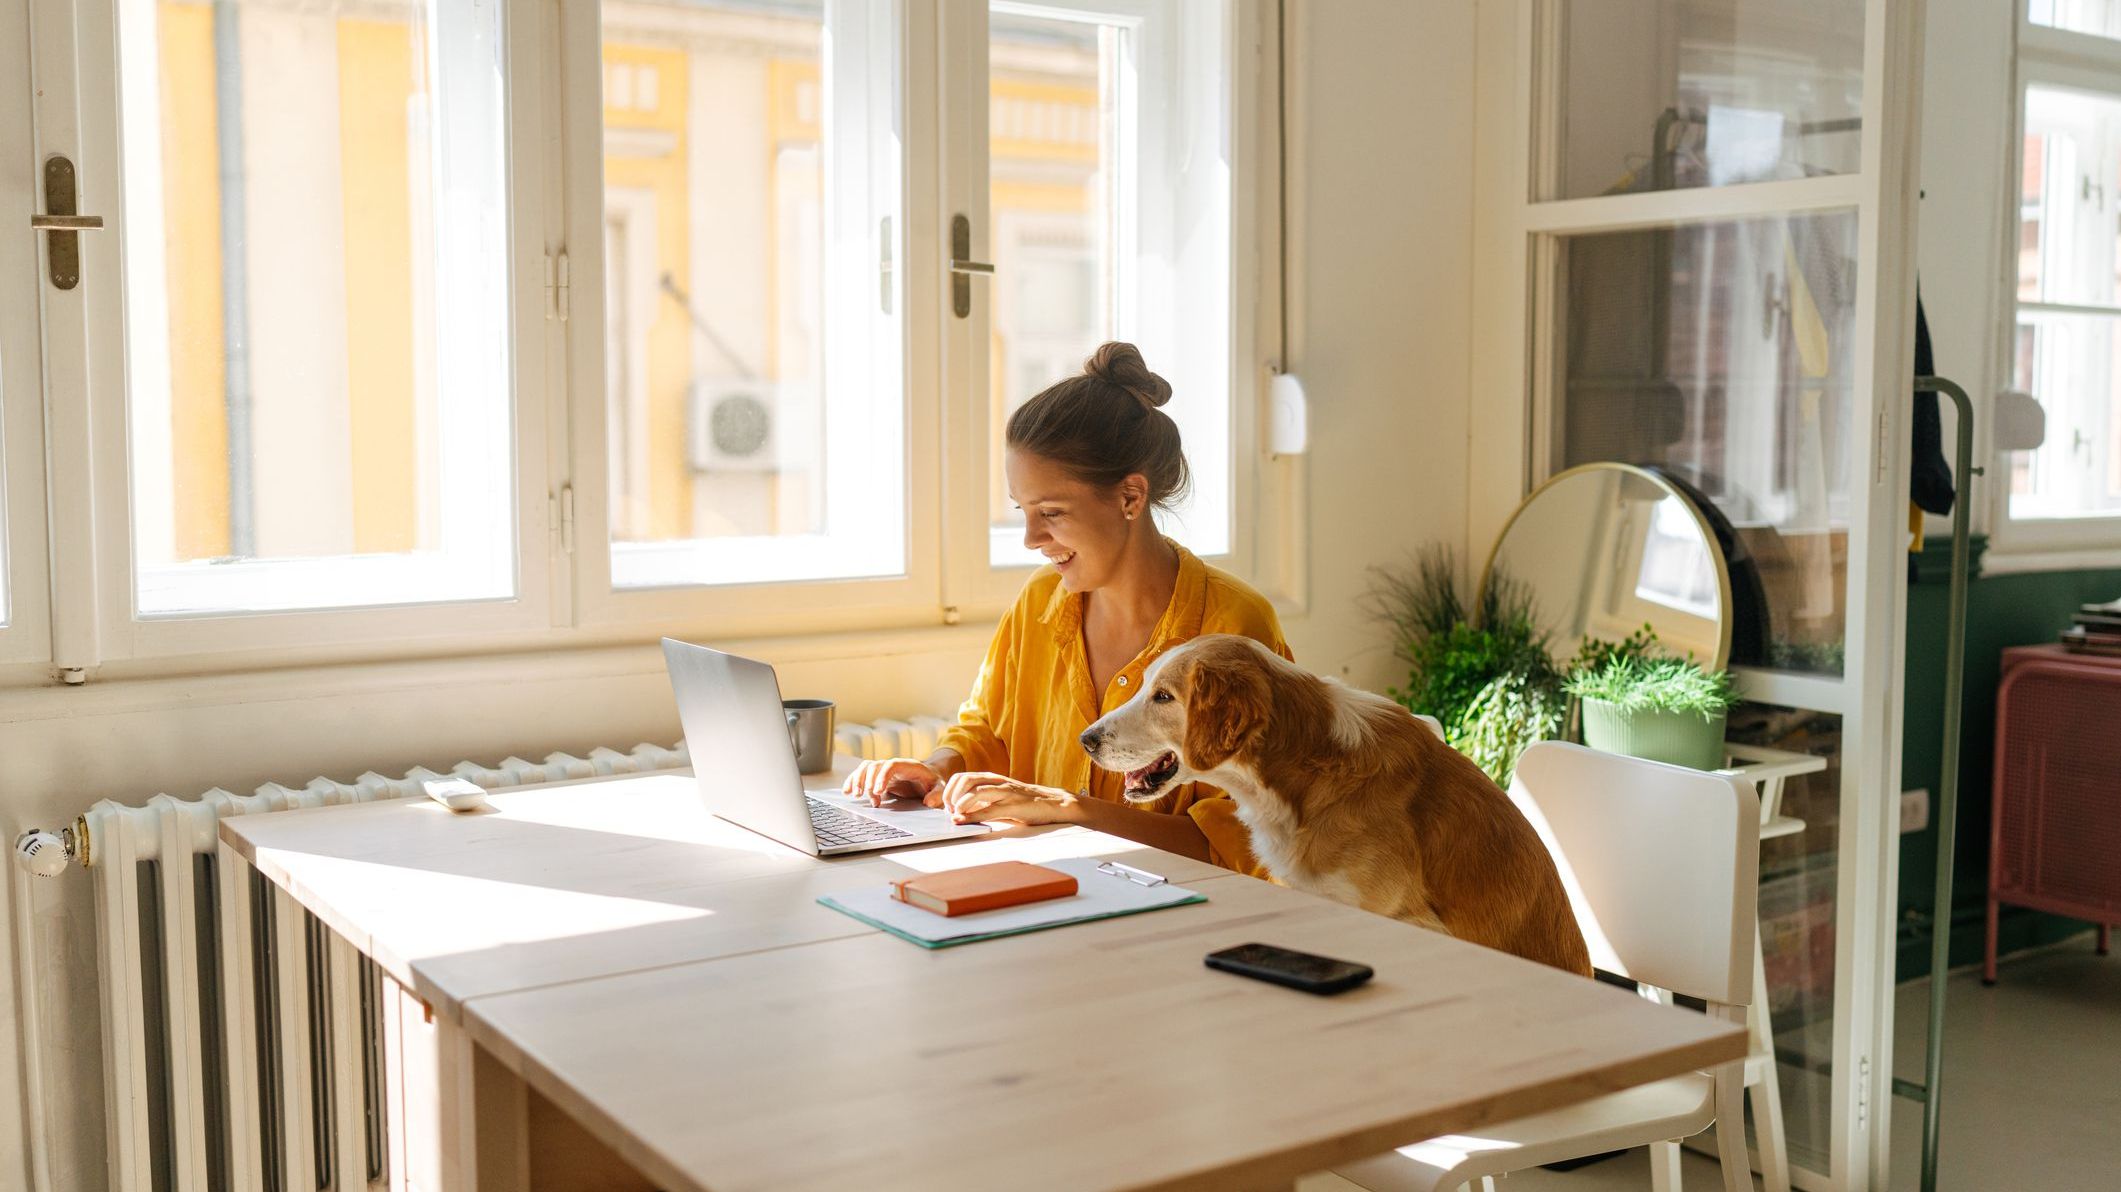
1664 709
1485 673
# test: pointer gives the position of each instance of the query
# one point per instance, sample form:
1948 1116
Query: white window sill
153 685
2002 559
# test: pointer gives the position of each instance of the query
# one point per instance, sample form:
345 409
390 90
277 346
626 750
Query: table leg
463 1119
485 1110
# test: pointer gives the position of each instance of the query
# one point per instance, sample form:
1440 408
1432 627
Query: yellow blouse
1033 697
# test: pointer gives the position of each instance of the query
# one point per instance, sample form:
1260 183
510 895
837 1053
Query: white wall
1381 296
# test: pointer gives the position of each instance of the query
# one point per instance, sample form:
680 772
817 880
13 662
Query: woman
1087 461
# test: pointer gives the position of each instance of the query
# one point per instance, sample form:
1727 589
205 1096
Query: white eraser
457 794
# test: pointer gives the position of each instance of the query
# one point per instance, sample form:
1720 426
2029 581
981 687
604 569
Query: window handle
63 250
962 266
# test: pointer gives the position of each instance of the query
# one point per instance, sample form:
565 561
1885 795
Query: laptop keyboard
837 827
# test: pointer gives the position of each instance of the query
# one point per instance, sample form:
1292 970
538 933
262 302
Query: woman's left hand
973 798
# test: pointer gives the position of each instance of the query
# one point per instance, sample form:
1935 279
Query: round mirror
1602 550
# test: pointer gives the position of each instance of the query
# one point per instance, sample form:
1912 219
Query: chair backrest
1662 864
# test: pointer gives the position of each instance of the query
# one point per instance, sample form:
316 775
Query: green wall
2002 610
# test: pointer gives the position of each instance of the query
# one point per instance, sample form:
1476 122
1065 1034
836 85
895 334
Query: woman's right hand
895 778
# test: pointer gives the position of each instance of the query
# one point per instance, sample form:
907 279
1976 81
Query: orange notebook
983 888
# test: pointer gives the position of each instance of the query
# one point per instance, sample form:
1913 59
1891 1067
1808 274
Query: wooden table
606 987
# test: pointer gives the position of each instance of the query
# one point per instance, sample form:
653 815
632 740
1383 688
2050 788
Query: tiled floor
2032 1087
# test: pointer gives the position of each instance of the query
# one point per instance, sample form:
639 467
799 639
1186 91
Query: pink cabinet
2055 837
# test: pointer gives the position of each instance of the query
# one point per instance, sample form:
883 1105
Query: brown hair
1105 425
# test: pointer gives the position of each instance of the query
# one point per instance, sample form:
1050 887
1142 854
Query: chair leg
2106 938
1664 1167
1766 1094
1767 1129
1730 1131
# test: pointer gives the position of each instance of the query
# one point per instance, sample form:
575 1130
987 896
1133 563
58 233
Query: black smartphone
1286 966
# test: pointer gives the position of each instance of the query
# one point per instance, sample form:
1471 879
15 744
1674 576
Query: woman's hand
895 778
973 798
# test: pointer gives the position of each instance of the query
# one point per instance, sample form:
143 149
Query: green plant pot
1681 738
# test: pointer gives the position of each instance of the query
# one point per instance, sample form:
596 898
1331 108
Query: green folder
1101 894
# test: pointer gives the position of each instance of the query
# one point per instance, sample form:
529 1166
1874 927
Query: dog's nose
1090 739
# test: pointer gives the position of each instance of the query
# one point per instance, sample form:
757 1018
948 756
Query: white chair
1662 868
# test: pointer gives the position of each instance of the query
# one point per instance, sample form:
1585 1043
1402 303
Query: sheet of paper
1098 895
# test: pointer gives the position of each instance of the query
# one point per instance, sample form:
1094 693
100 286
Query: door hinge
1882 450
1863 1091
962 266
884 269
558 286
559 516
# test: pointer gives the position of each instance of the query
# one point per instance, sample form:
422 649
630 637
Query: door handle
62 222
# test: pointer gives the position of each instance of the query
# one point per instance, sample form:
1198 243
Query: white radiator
242 1040
912 737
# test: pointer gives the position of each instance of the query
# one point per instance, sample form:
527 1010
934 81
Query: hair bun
1121 365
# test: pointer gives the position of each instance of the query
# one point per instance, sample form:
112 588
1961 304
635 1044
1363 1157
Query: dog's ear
1227 701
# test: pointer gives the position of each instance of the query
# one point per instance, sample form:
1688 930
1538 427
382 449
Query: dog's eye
1161 697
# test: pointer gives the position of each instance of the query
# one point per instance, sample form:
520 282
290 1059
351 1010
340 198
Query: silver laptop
730 708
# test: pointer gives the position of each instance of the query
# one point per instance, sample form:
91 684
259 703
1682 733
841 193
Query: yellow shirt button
1123 680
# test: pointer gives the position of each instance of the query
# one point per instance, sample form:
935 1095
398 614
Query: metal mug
810 733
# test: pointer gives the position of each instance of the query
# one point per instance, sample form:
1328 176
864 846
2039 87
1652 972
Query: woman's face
1082 529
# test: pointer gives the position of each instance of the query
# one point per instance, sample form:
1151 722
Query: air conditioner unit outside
733 426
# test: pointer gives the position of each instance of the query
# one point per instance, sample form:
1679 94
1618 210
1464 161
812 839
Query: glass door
1710 208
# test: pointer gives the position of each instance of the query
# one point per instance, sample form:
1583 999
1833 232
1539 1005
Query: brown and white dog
1346 794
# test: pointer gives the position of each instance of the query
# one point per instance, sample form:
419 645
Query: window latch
559 286
62 222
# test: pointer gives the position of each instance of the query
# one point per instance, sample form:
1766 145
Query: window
1708 94
316 306
2066 341
1721 353
2100 17
756 412
450 320
1109 194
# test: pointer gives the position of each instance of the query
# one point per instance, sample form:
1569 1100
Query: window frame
73 598
765 608
92 482
1264 541
25 631
2053 59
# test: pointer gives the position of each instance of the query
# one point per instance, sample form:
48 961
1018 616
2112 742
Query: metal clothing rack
1930 1091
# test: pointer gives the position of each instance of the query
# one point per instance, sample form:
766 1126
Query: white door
1697 224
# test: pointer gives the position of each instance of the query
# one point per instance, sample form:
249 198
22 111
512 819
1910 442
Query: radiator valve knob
44 853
